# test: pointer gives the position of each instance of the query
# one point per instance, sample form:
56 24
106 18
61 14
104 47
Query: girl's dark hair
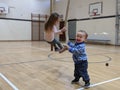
51 21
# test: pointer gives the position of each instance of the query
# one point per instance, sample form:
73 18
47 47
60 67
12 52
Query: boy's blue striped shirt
78 50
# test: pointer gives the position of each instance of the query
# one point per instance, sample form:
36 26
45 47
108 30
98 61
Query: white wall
13 30
21 9
99 27
79 10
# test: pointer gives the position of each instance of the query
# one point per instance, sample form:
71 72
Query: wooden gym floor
32 66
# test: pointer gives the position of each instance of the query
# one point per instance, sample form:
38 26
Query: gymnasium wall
16 25
18 19
15 30
105 23
97 28
79 8
79 11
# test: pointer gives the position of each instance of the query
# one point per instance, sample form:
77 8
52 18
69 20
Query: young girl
51 30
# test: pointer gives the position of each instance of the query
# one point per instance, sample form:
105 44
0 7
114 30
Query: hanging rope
66 16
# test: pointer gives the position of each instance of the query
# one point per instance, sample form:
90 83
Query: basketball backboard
95 9
3 8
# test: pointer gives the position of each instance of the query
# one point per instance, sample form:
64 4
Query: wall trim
15 19
102 17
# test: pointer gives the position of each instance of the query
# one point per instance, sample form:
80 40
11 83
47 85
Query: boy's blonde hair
86 35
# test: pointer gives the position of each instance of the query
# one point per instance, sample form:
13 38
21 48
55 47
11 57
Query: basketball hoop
3 8
94 13
1 11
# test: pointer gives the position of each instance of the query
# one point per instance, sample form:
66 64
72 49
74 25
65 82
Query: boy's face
80 37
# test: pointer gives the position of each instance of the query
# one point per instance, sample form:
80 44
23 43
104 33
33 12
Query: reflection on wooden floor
32 66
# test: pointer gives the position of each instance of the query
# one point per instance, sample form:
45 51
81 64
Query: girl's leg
55 46
58 43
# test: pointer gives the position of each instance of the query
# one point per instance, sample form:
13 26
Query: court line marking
32 61
93 85
44 49
10 83
59 59
113 51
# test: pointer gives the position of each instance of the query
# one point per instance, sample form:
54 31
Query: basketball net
93 14
1 11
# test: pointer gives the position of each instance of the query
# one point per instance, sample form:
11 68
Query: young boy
79 58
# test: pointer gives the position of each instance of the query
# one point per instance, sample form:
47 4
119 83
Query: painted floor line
44 49
10 83
93 85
